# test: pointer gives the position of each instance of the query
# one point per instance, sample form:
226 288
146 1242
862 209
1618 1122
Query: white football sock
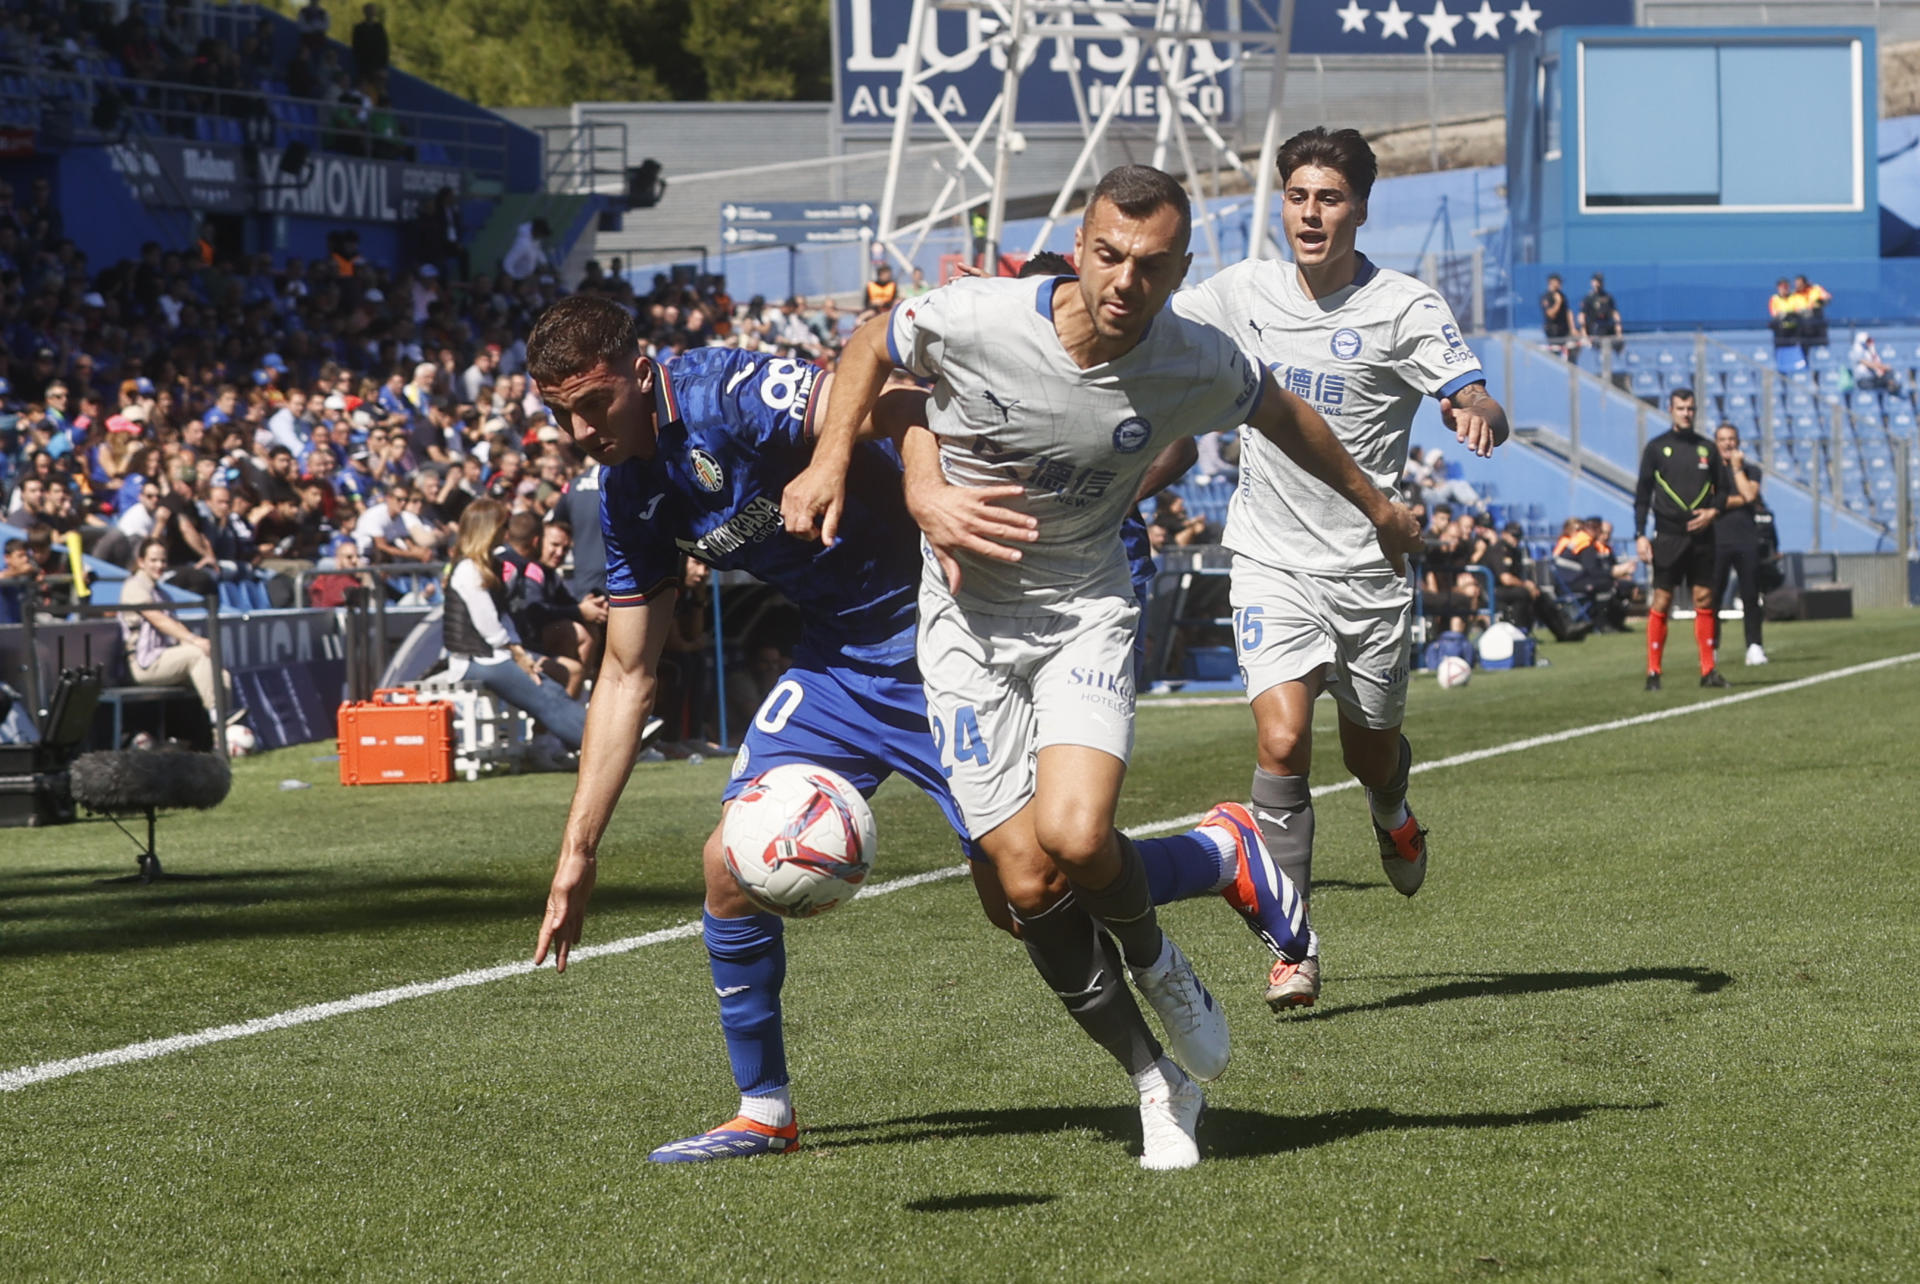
775 1109
1227 847
1155 1079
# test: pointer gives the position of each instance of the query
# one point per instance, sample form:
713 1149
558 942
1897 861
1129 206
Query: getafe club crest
1131 435
1346 344
706 471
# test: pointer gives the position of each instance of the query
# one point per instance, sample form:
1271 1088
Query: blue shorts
863 725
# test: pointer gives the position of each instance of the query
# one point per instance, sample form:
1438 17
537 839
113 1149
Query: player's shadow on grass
1490 984
976 1203
61 915
1224 1134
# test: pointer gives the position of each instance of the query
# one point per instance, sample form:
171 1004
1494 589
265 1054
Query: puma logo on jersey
1004 407
1259 331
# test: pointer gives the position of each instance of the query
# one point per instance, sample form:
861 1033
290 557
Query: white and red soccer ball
1453 672
799 840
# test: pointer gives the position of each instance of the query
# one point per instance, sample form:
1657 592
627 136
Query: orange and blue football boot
1265 897
738 1138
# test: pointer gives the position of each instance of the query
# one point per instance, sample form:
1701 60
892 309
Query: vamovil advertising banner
219 179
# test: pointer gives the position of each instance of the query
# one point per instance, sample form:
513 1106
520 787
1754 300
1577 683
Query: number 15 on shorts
967 743
1249 628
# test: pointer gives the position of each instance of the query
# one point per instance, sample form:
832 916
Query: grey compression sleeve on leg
1125 907
1386 800
1283 808
1082 967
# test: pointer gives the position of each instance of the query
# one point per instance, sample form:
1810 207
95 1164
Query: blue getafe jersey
733 431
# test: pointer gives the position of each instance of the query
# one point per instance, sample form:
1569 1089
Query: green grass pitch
1653 1016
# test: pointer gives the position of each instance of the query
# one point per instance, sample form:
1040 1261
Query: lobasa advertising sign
871 52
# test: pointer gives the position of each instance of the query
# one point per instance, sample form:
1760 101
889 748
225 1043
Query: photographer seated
1514 591
566 633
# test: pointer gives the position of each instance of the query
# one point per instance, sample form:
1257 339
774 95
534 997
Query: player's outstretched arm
622 699
811 503
1168 467
1476 420
1297 428
956 518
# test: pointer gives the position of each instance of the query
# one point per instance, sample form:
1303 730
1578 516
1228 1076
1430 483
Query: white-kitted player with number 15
1316 605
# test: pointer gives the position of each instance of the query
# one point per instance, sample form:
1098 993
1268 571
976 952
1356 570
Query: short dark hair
1516 530
1679 394
523 528
1344 150
1046 263
1140 190
16 546
576 334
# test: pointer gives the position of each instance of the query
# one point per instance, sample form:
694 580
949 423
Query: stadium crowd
263 421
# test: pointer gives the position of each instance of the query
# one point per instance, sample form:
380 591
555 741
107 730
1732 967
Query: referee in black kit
1683 482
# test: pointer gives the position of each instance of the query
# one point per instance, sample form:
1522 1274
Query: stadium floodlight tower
1174 46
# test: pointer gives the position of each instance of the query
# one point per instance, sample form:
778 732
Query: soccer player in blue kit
696 451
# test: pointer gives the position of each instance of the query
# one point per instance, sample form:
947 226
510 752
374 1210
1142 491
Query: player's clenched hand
1399 536
810 505
1468 426
566 909
970 519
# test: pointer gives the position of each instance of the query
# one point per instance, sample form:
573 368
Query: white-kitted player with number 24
1066 388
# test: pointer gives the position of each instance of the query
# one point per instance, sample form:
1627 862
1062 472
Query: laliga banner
871 36
222 179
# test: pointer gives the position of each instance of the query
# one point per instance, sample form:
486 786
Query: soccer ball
1453 672
799 840
241 741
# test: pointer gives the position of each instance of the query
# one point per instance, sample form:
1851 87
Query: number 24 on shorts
968 744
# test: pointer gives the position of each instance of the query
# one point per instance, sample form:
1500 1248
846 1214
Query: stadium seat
1646 383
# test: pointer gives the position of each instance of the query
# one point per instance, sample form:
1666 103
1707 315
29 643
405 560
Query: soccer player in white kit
1316 606
1068 388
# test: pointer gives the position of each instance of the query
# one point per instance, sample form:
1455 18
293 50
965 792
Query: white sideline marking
27 1076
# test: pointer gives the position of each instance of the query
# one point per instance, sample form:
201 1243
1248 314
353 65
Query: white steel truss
1179 57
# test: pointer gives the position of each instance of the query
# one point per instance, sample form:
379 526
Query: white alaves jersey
1010 406
1363 357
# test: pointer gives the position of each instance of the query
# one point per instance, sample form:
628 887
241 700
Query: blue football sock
1181 867
748 957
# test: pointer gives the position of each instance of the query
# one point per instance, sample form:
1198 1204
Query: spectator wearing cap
1870 373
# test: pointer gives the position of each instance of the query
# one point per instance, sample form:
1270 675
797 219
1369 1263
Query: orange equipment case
396 739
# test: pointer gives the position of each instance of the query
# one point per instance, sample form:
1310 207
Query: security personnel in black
1736 537
1683 483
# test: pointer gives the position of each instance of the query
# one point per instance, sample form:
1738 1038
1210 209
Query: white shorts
1288 626
1002 688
